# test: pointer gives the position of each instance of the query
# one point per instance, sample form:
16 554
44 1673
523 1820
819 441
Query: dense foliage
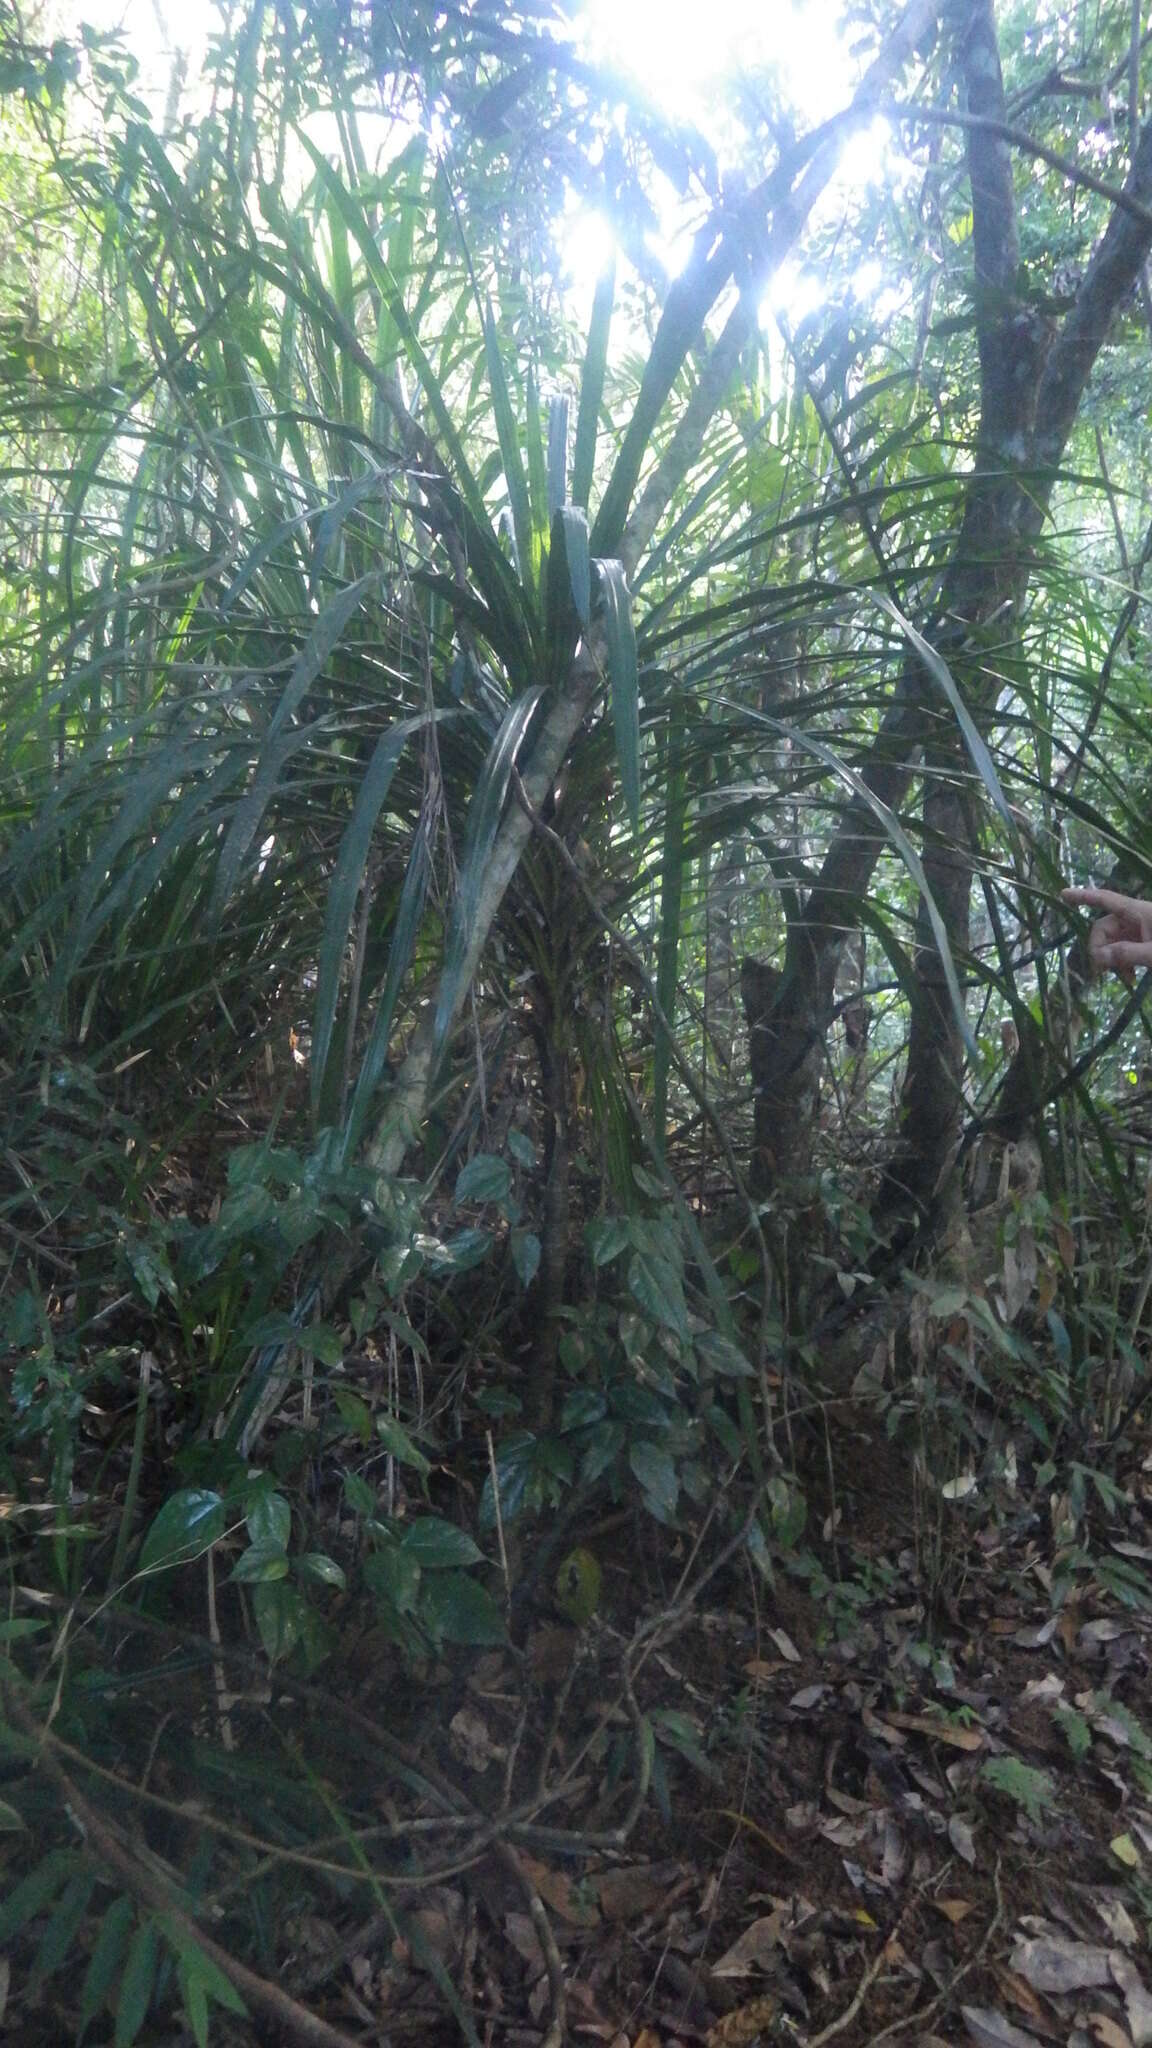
534 809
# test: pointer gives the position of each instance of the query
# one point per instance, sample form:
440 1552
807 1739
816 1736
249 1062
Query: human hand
1122 938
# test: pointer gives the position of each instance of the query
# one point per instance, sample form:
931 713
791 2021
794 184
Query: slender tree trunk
1030 395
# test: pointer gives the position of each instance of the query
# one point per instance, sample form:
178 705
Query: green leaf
280 1614
260 1566
317 1565
606 1237
510 452
59 1936
34 1893
269 1519
136 1985
281 738
188 1524
484 815
397 1440
620 638
525 1255
394 1575
434 1544
347 881
354 1412
657 1288
656 1471
522 1149
592 385
485 1178
456 1609
104 1963
1031 1789
200 1966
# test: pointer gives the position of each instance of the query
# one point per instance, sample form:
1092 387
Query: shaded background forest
547 1086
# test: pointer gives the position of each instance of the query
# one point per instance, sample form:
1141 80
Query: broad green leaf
260 1565
656 1471
399 1444
485 1178
434 1543
188 1524
279 1611
395 1576
269 1519
525 1255
455 1609
324 1570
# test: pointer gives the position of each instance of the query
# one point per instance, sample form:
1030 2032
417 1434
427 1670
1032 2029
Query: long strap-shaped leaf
324 637
620 641
894 830
485 813
392 296
974 740
592 385
375 1058
347 881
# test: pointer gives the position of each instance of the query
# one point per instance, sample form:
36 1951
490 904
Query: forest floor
898 1789
879 1822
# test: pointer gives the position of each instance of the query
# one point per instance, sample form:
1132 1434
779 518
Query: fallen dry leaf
1057 1965
628 1894
1106 2033
991 2030
740 2028
1137 2004
557 1890
940 1731
755 1947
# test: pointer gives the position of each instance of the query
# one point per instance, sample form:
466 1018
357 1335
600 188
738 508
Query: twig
924 2013
542 1928
844 2019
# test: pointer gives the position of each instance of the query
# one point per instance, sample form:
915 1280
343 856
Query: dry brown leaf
646 2038
754 1950
1106 2032
1053 1964
991 2030
472 1742
628 1894
739 2029
785 1645
1137 2004
558 1892
940 1731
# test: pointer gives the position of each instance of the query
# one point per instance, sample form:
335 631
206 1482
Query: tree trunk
1030 395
